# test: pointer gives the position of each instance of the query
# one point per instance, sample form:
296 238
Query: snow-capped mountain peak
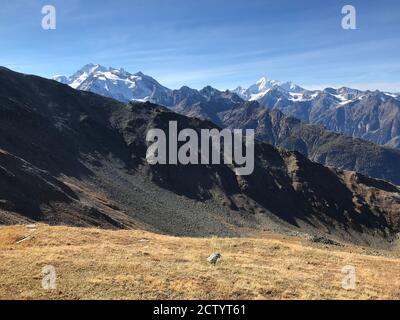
240 91
116 83
264 85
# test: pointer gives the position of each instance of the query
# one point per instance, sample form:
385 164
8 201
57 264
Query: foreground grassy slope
103 264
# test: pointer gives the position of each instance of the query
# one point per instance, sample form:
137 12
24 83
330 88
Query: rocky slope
272 126
73 157
315 142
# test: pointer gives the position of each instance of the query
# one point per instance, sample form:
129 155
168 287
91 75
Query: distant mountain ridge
125 86
370 115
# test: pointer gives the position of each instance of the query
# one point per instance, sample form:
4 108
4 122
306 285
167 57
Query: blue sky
203 42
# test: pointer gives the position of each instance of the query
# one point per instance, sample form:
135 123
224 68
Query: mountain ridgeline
370 115
74 157
269 110
227 110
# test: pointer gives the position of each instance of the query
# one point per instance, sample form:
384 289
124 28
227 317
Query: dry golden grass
102 264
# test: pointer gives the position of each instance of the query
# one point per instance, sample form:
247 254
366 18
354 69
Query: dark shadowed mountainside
73 157
313 141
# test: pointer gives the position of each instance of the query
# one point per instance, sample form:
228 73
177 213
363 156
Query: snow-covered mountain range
370 115
292 92
124 86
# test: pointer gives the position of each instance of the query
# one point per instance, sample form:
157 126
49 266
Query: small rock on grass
214 258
